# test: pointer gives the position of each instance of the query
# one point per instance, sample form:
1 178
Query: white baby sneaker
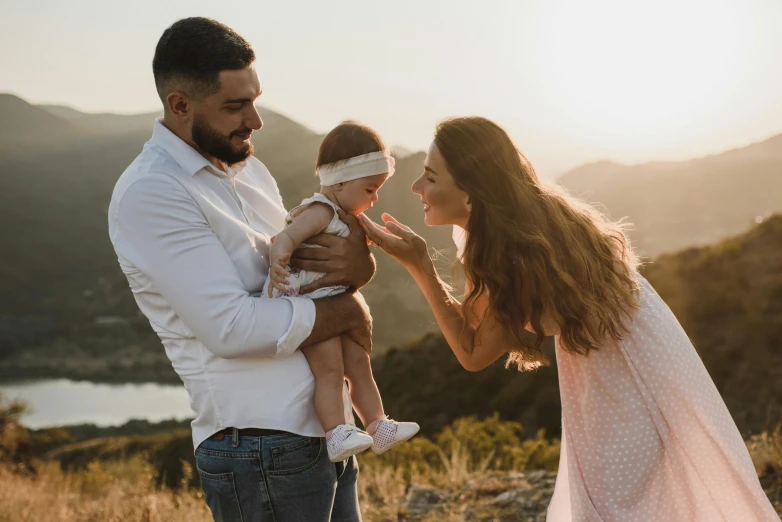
347 440
389 433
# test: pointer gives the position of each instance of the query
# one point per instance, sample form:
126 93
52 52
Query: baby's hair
347 140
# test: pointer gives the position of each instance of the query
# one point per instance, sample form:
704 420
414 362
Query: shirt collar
186 156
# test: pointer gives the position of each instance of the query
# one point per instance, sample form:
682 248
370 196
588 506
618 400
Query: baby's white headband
355 168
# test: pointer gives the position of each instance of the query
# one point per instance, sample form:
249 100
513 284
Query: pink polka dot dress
645 434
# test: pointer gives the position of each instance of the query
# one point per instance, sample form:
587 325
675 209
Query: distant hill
673 205
58 272
727 296
61 291
105 123
25 126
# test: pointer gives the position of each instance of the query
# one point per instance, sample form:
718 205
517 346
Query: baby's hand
278 274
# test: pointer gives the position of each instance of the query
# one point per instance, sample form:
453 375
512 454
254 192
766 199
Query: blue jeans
279 478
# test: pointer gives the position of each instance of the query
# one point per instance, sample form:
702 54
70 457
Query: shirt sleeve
163 232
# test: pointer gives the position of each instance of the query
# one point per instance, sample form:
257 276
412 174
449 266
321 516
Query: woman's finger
386 217
396 229
374 231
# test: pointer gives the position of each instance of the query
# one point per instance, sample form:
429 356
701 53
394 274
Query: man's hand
345 261
362 332
344 314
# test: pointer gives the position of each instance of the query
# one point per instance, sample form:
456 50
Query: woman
645 434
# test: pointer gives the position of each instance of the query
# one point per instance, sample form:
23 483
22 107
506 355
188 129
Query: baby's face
360 194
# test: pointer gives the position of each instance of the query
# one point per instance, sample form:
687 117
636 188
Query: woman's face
444 202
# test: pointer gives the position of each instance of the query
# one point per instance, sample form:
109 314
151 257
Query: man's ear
179 106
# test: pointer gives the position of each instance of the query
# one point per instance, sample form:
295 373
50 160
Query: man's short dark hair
191 53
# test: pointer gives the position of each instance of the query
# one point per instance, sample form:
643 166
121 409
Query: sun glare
641 68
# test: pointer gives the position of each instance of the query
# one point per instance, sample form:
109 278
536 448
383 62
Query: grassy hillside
727 296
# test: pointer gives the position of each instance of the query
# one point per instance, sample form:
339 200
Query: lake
63 402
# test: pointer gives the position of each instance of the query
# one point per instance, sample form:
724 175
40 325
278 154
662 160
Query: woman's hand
398 241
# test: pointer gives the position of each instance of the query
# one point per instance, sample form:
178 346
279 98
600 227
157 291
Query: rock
525 498
536 476
420 500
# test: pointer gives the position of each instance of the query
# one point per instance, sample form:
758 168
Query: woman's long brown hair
539 254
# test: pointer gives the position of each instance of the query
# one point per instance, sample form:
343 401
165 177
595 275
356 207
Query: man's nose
255 122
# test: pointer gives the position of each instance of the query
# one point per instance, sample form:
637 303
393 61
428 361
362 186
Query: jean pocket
294 456
221 496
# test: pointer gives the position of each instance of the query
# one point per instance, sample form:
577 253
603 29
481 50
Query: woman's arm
484 339
476 343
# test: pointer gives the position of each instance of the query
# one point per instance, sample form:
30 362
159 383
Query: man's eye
233 108
369 191
430 179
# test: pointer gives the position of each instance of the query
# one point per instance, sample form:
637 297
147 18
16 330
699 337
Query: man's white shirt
193 242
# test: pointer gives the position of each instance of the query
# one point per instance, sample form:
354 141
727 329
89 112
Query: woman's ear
337 187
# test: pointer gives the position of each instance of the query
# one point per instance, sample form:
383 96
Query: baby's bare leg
325 360
363 389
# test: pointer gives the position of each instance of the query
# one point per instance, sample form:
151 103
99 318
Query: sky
572 81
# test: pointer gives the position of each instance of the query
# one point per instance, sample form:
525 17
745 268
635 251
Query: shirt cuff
302 322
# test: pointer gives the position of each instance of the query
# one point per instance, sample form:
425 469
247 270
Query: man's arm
345 261
345 313
162 231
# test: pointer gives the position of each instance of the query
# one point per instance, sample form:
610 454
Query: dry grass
124 490
116 492
766 452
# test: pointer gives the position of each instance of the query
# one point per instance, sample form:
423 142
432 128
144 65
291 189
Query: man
190 221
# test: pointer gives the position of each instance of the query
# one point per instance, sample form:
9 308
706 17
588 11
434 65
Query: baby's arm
311 221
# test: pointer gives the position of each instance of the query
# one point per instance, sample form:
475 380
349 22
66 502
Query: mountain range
674 205
60 285
58 272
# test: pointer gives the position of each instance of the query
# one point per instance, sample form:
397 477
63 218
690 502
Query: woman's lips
427 208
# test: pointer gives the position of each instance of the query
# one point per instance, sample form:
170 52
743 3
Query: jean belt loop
235 438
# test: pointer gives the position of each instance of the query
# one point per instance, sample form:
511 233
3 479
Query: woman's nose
416 187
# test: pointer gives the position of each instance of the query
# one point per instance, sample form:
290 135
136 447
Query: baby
353 163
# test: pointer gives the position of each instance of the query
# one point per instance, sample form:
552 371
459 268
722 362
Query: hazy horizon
572 83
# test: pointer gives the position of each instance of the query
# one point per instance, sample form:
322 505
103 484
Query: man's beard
213 143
